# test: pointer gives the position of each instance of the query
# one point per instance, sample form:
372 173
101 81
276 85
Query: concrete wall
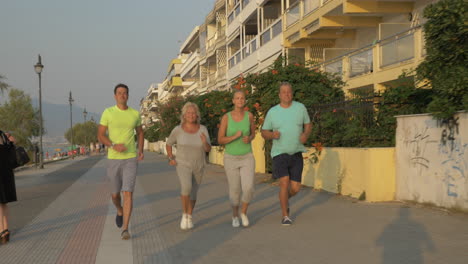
432 160
352 171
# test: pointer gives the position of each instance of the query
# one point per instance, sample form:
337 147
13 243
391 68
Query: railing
301 9
234 13
271 32
334 67
211 77
392 50
310 5
249 48
235 59
361 63
189 63
211 42
397 49
293 14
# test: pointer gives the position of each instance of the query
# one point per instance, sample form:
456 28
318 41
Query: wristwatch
171 158
112 145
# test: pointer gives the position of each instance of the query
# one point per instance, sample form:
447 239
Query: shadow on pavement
404 240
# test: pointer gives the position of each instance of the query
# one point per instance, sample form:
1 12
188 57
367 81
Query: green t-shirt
290 123
121 126
238 147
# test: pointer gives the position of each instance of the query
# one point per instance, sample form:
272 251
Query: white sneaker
245 220
183 222
189 222
235 222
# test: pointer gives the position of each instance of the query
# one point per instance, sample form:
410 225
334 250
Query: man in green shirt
288 125
121 122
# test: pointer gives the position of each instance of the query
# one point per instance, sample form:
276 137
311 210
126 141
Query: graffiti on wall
454 157
449 131
418 142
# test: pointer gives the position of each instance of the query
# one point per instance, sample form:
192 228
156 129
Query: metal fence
346 123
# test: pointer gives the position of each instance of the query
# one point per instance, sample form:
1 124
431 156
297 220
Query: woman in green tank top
236 132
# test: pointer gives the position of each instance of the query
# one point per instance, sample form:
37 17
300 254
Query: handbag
17 156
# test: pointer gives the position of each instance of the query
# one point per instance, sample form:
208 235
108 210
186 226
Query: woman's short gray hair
184 110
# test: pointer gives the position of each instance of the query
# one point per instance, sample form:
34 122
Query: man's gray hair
184 110
284 84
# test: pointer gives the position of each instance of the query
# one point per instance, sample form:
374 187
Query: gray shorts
190 180
122 174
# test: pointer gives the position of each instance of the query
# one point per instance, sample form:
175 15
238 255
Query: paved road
66 216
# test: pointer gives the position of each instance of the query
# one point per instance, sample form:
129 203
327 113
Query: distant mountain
57 117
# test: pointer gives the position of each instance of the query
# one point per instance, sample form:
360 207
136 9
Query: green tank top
238 147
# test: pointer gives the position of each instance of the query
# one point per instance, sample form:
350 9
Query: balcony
257 50
397 49
379 62
293 14
175 82
153 106
239 14
190 62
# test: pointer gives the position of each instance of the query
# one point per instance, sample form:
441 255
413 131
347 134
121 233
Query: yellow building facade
368 43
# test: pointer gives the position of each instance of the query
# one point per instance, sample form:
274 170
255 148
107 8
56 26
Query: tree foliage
83 133
19 117
152 133
444 67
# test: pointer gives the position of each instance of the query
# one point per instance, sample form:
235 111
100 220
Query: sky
89 46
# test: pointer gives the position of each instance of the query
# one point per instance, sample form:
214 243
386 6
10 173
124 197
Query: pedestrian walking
288 125
236 132
7 185
122 121
192 141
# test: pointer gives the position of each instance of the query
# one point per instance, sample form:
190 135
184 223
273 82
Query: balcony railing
392 50
301 9
397 49
249 48
310 5
234 13
271 32
334 67
361 63
293 14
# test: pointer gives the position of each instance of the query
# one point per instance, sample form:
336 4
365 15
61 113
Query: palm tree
3 85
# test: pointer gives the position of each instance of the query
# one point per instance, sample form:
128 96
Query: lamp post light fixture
38 68
85 114
70 100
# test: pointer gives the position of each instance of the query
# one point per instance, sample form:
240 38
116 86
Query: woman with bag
237 130
7 184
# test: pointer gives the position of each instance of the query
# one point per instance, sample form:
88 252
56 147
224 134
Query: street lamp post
85 113
70 100
38 68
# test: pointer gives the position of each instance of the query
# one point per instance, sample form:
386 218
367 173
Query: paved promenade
65 215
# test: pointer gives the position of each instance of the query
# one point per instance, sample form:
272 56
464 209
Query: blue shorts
288 165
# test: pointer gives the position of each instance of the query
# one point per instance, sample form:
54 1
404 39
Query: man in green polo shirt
288 125
121 122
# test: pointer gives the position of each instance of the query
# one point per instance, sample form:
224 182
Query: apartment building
190 71
254 35
369 42
213 58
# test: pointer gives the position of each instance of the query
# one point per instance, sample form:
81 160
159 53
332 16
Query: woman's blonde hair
184 110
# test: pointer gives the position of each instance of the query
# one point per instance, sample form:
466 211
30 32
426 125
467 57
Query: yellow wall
349 171
354 170
217 154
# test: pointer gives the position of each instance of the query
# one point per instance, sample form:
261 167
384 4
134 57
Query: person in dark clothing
7 185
